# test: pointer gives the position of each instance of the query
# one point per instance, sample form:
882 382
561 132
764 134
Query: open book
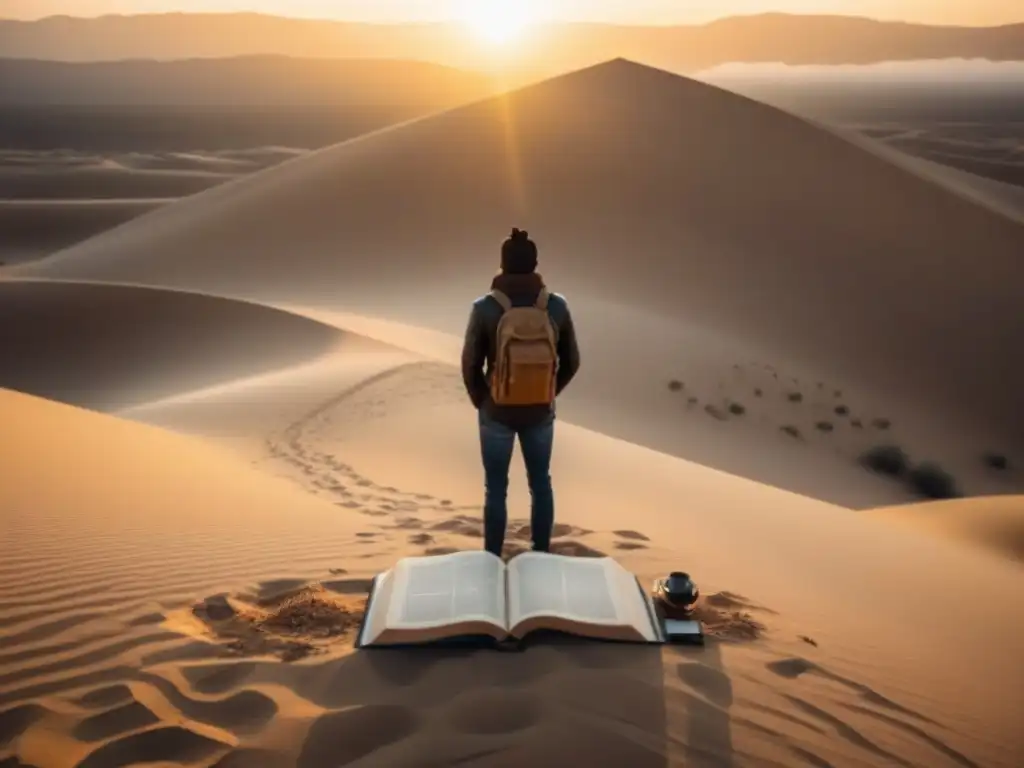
467 594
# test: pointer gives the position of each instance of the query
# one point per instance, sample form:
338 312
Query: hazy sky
973 12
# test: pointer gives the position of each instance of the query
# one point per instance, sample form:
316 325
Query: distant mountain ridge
774 37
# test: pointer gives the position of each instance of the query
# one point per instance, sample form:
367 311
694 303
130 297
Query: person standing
520 352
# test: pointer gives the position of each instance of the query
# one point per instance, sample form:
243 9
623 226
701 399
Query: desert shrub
996 461
758 392
881 423
790 430
841 410
795 397
737 409
675 385
886 460
932 481
824 426
856 423
838 393
691 400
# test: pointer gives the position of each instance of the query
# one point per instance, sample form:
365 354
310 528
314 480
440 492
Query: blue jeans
496 444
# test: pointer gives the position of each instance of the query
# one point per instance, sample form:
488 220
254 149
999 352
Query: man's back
481 346
524 375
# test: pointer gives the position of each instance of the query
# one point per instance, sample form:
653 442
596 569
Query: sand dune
995 523
36 228
106 181
109 347
128 609
191 599
56 199
720 217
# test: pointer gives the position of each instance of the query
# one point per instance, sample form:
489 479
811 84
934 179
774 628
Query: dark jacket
480 345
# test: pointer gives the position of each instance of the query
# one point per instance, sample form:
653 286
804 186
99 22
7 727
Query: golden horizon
980 13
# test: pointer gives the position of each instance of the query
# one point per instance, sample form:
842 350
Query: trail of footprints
325 473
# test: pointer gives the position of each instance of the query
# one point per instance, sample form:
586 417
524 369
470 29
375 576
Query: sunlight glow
497 21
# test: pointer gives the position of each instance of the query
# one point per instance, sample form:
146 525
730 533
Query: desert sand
54 199
238 408
666 209
992 523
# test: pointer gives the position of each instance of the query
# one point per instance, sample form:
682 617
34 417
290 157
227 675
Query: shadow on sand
706 698
558 702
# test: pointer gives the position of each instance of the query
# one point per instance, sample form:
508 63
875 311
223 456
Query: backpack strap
542 299
502 299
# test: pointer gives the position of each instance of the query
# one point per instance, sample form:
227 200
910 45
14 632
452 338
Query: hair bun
519 234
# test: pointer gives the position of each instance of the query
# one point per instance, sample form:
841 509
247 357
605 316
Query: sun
496 21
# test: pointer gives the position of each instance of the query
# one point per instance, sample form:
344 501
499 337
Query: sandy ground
198 488
54 199
719 252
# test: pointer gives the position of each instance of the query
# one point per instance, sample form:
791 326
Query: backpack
526 354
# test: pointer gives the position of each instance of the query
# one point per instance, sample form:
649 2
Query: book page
436 591
637 605
573 587
588 591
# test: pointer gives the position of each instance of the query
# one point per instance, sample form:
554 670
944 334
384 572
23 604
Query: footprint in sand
408 523
635 535
438 551
569 548
460 524
629 546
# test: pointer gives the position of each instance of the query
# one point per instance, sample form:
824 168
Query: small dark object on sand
933 482
996 461
886 459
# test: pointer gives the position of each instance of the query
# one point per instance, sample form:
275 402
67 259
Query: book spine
366 613
652 614
508 602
